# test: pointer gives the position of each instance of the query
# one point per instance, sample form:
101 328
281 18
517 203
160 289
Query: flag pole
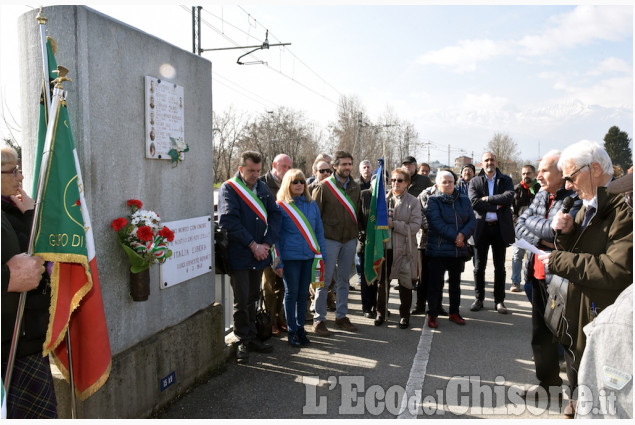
22 300
70 373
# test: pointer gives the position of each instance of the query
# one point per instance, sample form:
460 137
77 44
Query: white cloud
612 65
610 93
581 26
465 56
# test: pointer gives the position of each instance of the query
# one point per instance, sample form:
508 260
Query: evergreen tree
616 143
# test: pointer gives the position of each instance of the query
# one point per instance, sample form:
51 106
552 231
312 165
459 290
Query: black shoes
478 304
379 320
242 354
404 323
500 307
370 314
259 347
418 311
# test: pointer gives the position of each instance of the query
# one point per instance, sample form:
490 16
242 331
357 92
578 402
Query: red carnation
135 202
167 234
119 223
145 233
78 203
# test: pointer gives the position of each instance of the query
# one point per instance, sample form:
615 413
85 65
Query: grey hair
364 162
442 174
584 153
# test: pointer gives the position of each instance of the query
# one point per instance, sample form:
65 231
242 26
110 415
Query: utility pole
359 137
196 30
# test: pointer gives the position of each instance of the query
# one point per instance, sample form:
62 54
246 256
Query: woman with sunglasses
404 220
31 394
299 250
450 224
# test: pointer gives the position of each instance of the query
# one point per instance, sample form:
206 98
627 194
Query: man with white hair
534 226
594 251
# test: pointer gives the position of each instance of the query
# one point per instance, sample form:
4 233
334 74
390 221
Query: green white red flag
64 236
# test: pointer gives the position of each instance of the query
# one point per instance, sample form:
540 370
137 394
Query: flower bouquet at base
142 237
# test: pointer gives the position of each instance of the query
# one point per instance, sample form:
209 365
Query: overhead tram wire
268 106
229 39
292 54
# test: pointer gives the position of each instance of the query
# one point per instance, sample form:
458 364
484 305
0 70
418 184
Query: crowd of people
295 241
318 228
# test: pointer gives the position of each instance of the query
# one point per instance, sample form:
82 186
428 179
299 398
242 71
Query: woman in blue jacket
450 224
299 251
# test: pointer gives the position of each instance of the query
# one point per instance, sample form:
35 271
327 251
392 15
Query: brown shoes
319 328
345 323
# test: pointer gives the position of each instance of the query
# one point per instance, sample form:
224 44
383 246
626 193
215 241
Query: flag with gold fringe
64 236
376 228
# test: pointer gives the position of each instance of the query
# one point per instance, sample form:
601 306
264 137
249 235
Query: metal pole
22 300
70 372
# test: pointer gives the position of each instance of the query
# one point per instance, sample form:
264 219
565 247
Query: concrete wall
108 61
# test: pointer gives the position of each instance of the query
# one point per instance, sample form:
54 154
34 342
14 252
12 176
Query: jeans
297 279
491 237
246 287
341 254
517 264
369 292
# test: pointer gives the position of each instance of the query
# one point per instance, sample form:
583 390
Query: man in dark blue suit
491 194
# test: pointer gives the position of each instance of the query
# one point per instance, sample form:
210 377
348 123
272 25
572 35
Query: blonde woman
299 250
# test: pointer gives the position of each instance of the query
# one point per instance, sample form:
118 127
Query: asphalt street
471 371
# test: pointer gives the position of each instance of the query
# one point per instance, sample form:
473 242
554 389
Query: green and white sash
342 197
306 231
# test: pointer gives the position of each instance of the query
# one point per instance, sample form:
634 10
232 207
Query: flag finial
41 19
61 77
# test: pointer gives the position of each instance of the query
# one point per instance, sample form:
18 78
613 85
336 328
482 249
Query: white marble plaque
191 251
164 117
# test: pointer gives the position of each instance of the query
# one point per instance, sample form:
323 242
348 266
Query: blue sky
546 75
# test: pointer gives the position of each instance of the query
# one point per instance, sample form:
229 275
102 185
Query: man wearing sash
247 209
338 198
272 286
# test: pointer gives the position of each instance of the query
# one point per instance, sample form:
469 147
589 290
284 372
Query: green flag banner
376 228
41 131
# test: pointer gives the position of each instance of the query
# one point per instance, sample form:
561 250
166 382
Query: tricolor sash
342 197
306 231
249 197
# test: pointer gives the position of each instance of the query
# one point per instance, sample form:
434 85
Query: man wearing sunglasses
418 182
594 252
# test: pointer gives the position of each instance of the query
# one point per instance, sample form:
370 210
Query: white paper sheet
523 244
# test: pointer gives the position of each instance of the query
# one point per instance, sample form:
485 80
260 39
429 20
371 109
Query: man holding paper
534 227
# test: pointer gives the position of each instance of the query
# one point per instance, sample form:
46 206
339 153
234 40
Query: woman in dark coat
450 224
31 394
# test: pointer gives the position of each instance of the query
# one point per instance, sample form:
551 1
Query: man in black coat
418 182
491 194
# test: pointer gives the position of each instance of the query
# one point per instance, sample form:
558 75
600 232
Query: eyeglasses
298 181
569 178
397 180
325 170
15 171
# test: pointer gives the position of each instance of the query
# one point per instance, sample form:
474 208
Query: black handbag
555 307
221 250
263 320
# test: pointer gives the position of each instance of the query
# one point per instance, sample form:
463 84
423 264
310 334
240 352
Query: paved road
472 371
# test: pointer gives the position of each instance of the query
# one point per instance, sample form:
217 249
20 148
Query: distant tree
228 127
505 149
282 131
616 143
